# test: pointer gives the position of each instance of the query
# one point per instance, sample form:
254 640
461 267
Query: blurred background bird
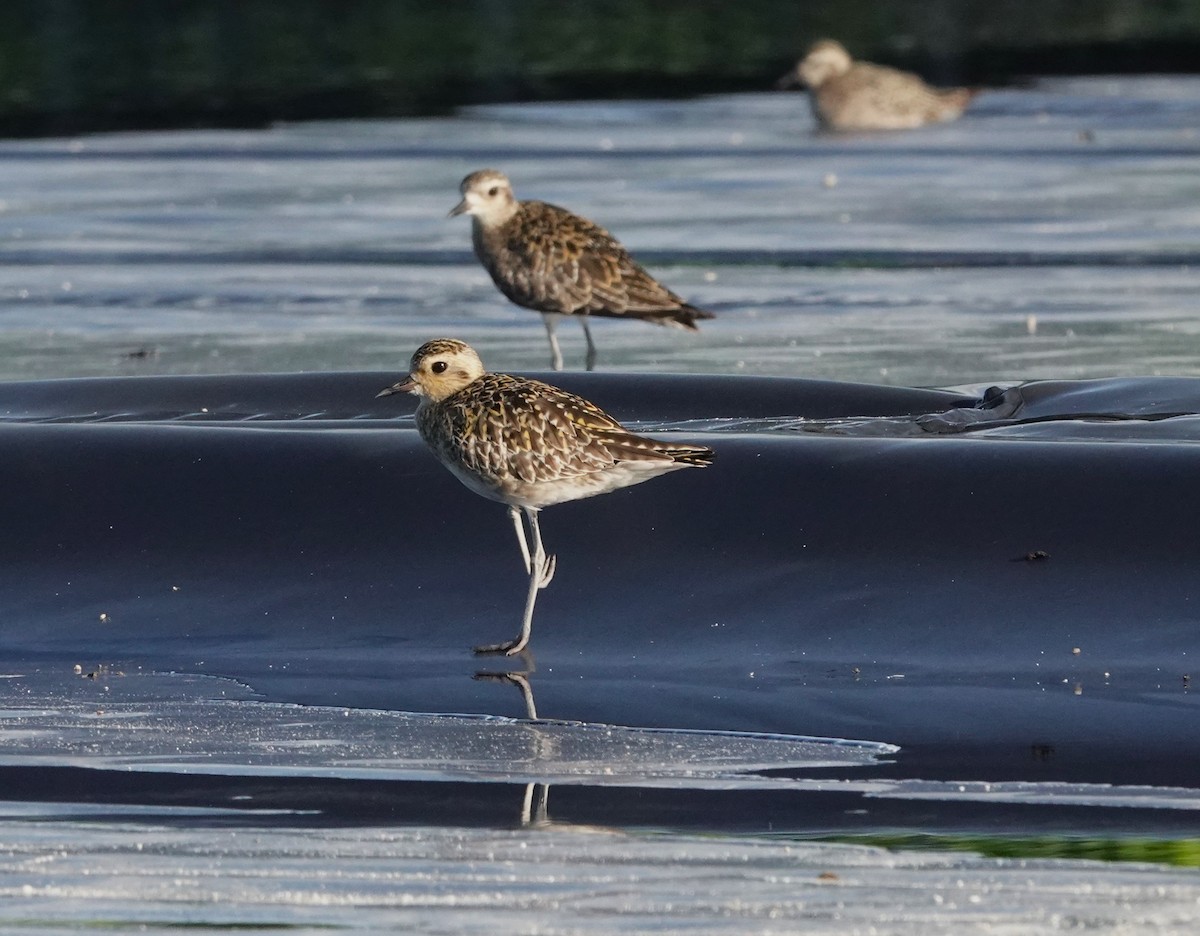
850 95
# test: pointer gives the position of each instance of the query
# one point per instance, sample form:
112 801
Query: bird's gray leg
591 345
539 559
541 571
515 514
551 321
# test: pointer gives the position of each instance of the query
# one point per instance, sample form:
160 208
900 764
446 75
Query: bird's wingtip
688 316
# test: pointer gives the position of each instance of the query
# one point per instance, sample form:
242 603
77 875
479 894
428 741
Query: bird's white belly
545 493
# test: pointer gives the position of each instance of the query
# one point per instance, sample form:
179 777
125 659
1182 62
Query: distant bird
526 444
547 259
850 95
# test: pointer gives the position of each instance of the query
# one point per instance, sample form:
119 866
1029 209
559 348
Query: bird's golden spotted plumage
545 258
527 444
520 436
850 95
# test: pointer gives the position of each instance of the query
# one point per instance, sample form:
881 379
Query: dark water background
851 578
865 577
1005 589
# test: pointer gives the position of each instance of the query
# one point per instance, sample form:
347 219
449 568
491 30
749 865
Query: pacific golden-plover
850 95
527 444
547 259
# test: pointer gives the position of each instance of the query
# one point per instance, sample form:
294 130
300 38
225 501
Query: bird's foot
508 648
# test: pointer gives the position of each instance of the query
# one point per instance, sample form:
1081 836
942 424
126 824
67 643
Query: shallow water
326 246
992 596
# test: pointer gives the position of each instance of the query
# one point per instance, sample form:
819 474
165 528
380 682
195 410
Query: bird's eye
493 191
438 367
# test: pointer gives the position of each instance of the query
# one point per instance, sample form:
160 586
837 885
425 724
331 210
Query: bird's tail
685 316
957 97
695 456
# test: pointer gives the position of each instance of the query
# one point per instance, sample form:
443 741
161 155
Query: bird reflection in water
533 804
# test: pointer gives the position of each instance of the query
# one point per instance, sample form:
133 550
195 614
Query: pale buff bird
850 95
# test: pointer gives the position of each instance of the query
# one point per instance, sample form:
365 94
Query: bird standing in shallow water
547 259
527 444
850 95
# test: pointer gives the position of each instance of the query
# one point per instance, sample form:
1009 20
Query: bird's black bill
404 386
460 208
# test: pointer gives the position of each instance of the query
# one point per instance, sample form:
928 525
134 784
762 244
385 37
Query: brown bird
527 444
850 95
547 259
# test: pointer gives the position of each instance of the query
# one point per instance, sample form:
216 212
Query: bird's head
826 59
487 196
438 369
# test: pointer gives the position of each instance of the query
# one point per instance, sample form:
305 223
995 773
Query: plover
547 259
850 95
527 444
